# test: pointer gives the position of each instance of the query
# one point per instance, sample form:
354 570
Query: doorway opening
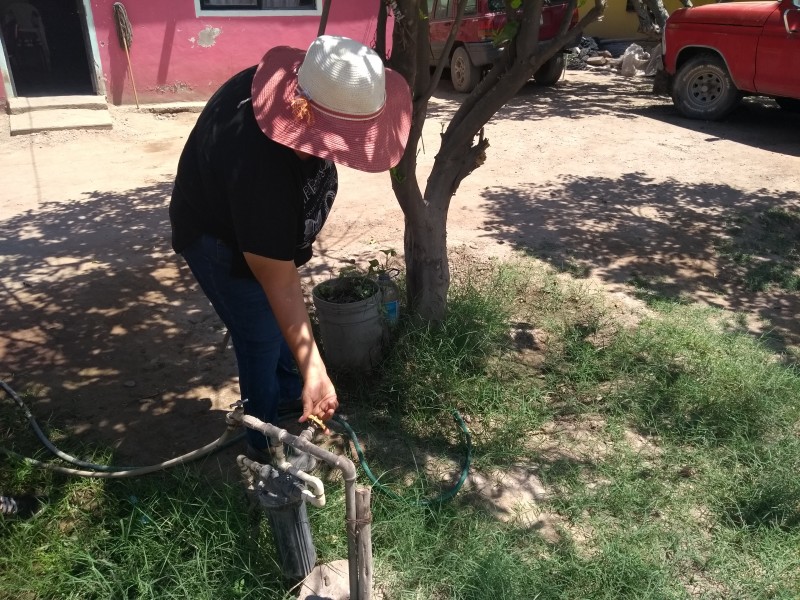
46 47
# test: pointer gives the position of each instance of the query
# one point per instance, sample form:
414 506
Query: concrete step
173 107
58 119
17 106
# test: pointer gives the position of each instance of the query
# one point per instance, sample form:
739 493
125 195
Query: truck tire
789 104
703 88
550 72
463 73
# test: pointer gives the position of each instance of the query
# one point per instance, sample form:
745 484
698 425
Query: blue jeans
267 370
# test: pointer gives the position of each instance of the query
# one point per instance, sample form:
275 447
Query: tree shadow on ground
103 328
757 121
571 99
633 229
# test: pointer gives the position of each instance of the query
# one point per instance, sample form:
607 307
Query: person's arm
281 284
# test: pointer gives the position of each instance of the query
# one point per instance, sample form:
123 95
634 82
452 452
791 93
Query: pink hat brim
372 145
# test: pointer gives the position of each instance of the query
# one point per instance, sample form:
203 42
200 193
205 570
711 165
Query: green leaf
506 34
397 175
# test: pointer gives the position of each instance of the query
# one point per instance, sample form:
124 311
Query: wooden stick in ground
130 70
323 20
364 542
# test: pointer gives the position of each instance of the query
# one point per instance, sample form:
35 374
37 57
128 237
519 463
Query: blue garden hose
441 498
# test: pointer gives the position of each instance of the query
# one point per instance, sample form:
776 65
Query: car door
440 20
470 30
778 54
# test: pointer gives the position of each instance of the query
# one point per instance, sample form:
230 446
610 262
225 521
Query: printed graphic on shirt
319 193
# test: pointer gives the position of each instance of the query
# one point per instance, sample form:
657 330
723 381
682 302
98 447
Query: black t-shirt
238 185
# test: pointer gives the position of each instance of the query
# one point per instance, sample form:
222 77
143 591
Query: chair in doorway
24 34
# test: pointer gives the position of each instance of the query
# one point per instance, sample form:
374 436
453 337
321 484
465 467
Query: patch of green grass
666 446
431 370
765 492
457 552
762 275
679 375
170 536
653 291
765 248
559 260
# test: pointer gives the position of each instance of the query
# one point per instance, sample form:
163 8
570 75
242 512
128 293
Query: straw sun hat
335 101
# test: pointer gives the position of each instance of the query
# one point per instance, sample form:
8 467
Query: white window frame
257 12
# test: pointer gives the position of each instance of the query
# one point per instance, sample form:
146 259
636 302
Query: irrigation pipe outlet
231 435
358 517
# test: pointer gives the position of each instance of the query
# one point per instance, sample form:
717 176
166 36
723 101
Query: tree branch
474 159
448 45
527 38
380 33
571 5
564 37
492 93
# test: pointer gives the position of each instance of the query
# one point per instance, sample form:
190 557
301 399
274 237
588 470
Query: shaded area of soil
106 332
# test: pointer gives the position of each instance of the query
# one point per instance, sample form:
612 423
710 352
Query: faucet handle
239 403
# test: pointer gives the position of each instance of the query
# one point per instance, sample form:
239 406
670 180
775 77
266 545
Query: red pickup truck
473 50
715 54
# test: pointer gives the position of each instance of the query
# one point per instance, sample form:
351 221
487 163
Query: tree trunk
463 147
652 15
425 238
427 267
659 12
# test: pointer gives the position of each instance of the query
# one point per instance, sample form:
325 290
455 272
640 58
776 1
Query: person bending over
254 185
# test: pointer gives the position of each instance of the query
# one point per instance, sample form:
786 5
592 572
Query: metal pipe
364 540
342 463
314 496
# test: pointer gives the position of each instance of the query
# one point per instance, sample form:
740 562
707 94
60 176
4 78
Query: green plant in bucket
346 289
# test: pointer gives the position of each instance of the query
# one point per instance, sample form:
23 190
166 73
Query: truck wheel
789 104
463 73
550 72
703 88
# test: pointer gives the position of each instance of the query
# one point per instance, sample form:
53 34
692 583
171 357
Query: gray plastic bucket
352 333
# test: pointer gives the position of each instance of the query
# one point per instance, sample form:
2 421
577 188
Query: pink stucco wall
176 55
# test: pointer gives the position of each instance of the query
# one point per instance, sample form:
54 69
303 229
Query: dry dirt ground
105 330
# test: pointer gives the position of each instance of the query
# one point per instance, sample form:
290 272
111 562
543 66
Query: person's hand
319 399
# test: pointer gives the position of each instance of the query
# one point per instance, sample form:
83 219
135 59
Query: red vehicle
473 50
715 54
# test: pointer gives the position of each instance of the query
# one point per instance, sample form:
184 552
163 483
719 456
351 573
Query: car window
471 8
442 9
497 5
430 6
